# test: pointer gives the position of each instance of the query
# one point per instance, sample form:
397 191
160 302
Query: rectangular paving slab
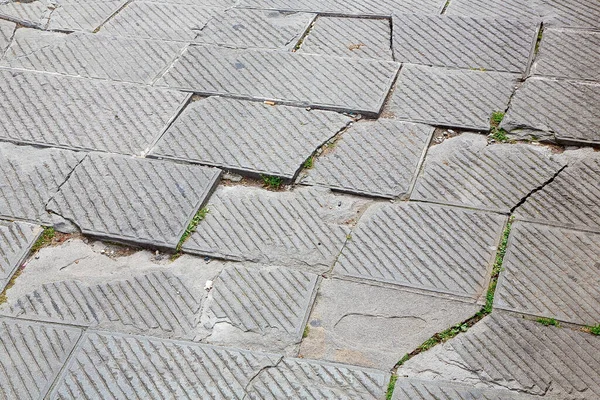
78 15
571 13
503 9
16 239
248 137
417 389
456 98
141 201
33 14
347 85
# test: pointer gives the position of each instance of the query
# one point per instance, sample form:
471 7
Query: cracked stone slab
569 111
16 239
424 246
248 137
464 42
551 272
457 98
502 9
7 29
347 85
83 114
373 326
135 200
373 158
82 15
34 13
350 37
571 13
508 352
463 171
416 389
297 378
29 177
571 54
306 228
255 29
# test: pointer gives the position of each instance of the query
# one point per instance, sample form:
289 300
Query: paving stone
570 54
34 13
373 158
431 247
83 15
134 200
502 9
464 42
83 114
350 37
457 98
91 56
347 85
414 389
142 367
373 326
16 239
31 356
504 351
255 29
571 13
248 137
567 111
7 29
296 378
29 177
463 171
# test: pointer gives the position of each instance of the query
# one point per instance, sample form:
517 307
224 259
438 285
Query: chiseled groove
15 240
507 9
76 16
349 7
573 13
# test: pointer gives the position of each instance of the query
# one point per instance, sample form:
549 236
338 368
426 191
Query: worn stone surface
334 83
16 238
416 389
350 37
571 13
7 30
82 15
503 9
373 158
373 326
33 13
248 137
456 98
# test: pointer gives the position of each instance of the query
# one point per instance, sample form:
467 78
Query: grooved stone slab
31 355
464 171
502 9
373 326
298 79
134 200
33 13
567 110
416 389
140 367
373 158
255 29
464 42
82 15
16 239
571 13
7 29
248 137
29 177
350 37
568 54
458 98
442 249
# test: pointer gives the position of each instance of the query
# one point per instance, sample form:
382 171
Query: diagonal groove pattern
16 238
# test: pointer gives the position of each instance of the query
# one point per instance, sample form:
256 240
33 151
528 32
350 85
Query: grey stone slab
373 326
34 13
503 9
83 114
571 13
338 84
350 37
142 201
108 366
16 239
464 171
571 54
248 137
457 98
567 111
255 29
7 30
464 42
29 177
82 15
31 356
297 378
417 389
373 158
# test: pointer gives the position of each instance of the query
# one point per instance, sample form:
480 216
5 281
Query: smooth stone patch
502 9
7 30
435 390
248 137
571 13
16 239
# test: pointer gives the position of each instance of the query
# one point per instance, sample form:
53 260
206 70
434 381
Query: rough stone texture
255 29
7 29
567 111
504 351
570 54
82 114
16 238
551 272
33 13
416 389
373 158
83 15
298 79
373 326
464 171
134 200
248 137
31 355
502 9
431 247
350 37
458 98
464 42
571 13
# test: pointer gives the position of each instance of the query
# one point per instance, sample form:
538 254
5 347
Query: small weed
497 117
44 240
594 330
489 298
308 164
391 386
200 215
538 41
10 284
272 182
306 332
548 322
499 134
